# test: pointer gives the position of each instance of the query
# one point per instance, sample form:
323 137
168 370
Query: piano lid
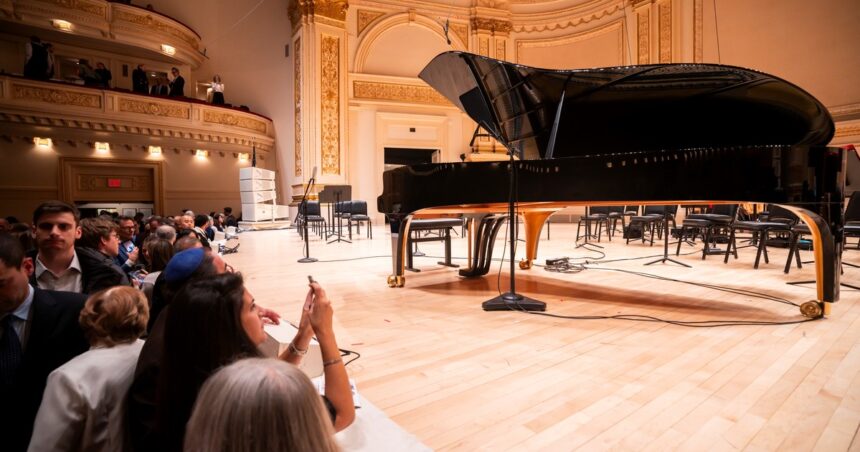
629 108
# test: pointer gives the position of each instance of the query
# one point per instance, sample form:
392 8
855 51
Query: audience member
160 88
36 63
259 405
186 242
39 332
139 80
55 229
217 91
213 322
51 66
185 267
166 232
177 86
99 244
5 226
104 75
84 401
24 234
231 220
158 253
185 222
128 253
88 74
201 223
218 222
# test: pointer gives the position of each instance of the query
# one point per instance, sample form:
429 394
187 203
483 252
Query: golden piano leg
399 244
827 264
533 224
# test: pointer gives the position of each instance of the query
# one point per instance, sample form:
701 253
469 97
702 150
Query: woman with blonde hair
259 404
83 405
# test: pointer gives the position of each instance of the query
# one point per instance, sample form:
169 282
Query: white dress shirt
83 407
70 281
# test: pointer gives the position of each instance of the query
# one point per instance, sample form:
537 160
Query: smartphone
309 301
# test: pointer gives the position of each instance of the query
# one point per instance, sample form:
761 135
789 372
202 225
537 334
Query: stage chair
779 220
358 215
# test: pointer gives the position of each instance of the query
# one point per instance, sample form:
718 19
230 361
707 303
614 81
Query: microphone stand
304 208
511 300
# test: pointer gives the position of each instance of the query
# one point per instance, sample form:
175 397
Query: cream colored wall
815 45
403 51
29 175
247 50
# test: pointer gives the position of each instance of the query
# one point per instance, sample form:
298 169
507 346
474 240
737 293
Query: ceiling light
155 150
201 154
243 157
43 143
168 49
62 25
102 147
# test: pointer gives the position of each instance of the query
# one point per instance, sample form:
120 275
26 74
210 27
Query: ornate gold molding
397 92
484 46
297 92
665 28
611 27
500 49
154 109
146 20
462 32
559 20
698 20
495 26
643 34
81 5
847 131
330 103
365 17
232 120
309 10
56 96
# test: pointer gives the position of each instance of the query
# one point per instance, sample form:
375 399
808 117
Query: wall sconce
168 49
62 25
102 147
43 143
243 157
201 154
155 150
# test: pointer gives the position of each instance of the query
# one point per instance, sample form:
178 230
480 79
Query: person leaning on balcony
104 74
36 64
88 74
139 80
177 86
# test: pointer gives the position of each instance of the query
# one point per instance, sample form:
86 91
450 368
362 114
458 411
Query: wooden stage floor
459 378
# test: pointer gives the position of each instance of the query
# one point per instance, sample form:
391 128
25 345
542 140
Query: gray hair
166 232
259 404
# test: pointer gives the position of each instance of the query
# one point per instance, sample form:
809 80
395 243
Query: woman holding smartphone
215 321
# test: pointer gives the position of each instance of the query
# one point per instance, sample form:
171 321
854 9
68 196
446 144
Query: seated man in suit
39 332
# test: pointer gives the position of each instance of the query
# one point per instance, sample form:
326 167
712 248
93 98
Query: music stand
338 234
304 208
666 257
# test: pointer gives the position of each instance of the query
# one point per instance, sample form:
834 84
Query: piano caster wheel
811 309
396 281
525 264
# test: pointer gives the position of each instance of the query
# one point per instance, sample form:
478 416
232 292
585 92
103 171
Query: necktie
11 353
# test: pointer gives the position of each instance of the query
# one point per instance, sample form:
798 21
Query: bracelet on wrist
295 350
331 362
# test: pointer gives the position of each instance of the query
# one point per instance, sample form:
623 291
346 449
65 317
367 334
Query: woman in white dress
217 91
84 402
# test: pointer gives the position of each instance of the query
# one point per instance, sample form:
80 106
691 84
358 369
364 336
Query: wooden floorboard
460 378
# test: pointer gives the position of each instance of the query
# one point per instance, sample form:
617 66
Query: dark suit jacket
177 87
54 338
97 271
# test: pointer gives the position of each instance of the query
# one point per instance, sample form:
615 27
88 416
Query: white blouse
83 407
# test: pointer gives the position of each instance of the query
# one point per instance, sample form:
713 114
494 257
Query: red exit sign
114 183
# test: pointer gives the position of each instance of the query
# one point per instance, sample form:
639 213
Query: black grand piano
653 134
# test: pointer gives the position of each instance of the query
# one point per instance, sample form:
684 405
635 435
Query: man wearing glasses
128 253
